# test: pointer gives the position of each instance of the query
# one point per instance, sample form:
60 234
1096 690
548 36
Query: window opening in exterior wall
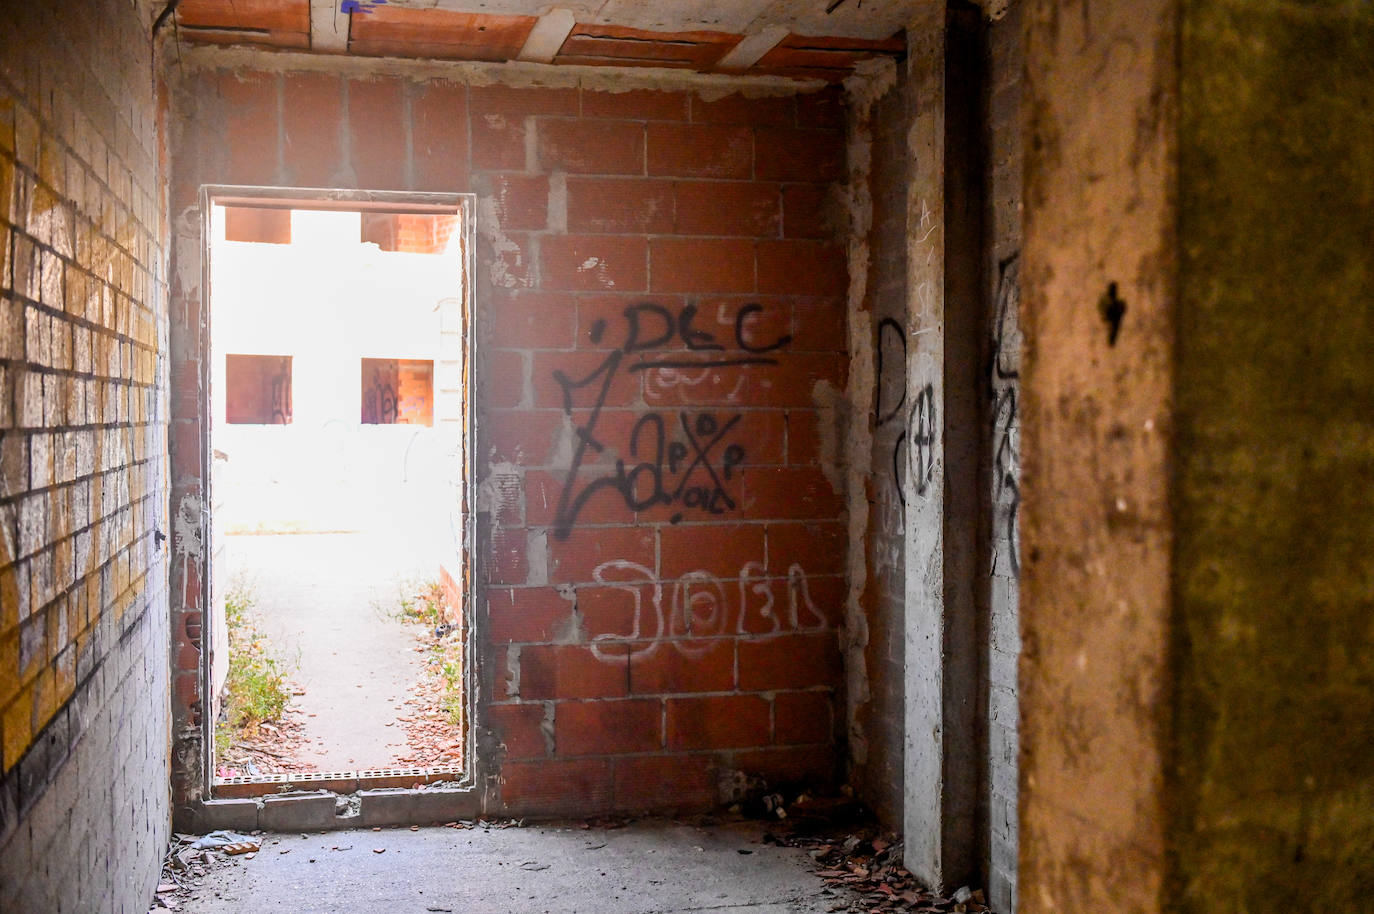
257 389
257 225
414 233
398 392
339 577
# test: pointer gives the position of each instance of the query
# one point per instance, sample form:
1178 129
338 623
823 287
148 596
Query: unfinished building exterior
968 404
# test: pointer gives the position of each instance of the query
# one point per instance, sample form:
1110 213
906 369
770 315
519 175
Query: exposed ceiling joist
752 49
328 27
794 38
547 37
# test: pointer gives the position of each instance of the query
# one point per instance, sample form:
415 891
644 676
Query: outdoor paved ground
326 603
653 867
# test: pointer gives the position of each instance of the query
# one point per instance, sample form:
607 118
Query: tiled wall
84 802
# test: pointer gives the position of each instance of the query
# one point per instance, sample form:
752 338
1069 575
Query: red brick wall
662 578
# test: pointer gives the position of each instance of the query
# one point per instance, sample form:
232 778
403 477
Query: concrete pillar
945 746
923 806
1197 679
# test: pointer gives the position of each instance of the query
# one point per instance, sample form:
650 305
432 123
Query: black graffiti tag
1004 375
891 338
924 436
690 471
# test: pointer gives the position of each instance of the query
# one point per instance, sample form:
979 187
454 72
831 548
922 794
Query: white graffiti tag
699 608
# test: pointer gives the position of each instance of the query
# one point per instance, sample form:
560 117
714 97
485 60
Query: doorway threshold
335 781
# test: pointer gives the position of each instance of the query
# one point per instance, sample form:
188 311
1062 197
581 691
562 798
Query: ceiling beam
548 35
328 27
751 50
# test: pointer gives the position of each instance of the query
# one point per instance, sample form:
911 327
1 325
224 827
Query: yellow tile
64 676
45 702
18 727
9 667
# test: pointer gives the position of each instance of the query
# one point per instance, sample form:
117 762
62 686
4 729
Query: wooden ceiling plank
442 34
266 38
591 30
268 15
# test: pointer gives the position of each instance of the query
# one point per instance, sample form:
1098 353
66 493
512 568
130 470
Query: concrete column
944 743
1197 681
923 807
1096 535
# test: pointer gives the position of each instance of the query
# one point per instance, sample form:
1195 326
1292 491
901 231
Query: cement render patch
651 867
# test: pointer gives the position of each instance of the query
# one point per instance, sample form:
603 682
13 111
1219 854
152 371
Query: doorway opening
339 439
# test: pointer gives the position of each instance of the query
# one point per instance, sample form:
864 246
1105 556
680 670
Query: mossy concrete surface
1274 491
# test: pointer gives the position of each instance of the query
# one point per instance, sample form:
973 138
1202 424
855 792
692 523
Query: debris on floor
852 852
189 859
273 749
433 709
859 863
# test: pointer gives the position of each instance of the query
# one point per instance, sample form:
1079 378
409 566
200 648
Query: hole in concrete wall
411 233
398 392
257 389
257 225
337 570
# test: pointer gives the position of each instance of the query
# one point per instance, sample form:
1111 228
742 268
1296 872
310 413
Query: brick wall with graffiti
660 351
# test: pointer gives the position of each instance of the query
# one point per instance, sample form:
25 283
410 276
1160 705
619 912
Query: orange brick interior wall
660 341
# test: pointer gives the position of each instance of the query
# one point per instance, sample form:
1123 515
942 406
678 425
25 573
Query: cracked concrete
650 867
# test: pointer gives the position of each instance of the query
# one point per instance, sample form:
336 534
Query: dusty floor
327 602
653 867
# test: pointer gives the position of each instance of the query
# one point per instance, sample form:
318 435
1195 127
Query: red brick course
718 722
801 717
518 727
608 727
700 151
591 147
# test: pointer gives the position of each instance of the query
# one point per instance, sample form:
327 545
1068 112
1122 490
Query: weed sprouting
255 690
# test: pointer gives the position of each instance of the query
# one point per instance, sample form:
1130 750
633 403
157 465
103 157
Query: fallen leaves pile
431 738
852 852
273 749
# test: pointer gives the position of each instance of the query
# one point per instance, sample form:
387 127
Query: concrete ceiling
805 39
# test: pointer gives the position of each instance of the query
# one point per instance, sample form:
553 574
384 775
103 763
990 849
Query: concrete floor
653 867
325 602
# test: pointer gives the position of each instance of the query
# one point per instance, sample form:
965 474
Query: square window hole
257 389
398 392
